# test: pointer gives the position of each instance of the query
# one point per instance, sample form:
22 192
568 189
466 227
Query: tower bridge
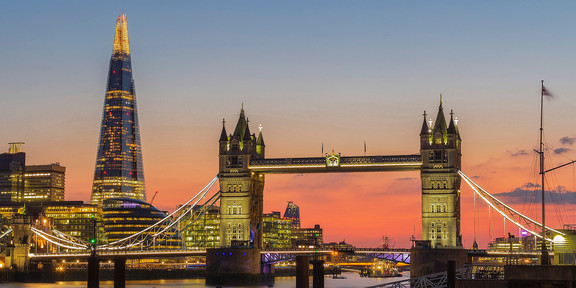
241 177
243 166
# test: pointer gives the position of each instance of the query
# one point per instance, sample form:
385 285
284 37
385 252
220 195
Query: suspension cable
476 187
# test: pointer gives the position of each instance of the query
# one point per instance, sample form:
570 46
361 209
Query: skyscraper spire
119 171
121 44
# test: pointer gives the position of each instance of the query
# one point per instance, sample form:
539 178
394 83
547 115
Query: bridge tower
440 147
241 205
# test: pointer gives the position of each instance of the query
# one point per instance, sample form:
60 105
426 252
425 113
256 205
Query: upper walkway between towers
336 163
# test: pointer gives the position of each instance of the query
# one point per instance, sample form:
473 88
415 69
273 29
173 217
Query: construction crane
153 197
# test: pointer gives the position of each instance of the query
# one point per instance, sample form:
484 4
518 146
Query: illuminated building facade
124 217
440 147
75 218
204 232
44 183
293 213
12 169
277 231
308 237
241 200
119 171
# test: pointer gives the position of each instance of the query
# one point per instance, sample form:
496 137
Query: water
352 280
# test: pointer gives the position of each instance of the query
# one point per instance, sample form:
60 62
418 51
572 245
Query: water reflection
351 280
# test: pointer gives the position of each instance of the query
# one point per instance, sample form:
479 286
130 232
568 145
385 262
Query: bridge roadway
336 163
269 256
142 254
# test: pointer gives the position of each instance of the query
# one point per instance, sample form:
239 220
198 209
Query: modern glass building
277 232
293 213
124 217
204 232
12 169
119 171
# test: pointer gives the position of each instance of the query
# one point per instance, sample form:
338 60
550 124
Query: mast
544 260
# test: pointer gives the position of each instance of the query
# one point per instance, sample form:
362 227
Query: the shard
119 171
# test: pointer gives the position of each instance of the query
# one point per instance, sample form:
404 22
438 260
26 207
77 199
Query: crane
153 197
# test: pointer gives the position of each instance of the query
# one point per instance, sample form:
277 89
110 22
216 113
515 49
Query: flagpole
544 257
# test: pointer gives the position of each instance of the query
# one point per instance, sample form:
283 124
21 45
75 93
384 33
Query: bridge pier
120 273
317 273
425 260
302 271
233 266
93 272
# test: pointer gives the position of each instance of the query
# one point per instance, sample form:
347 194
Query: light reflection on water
352 280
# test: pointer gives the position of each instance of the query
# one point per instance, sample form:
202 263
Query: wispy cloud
519 153
568 140
562 150
406 179
530 193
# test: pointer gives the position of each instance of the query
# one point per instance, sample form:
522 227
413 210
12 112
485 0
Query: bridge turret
441 160
248 141
224 143
425 132
260 146
242 189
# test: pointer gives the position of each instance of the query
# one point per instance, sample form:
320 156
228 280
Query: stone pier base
424 261
233 266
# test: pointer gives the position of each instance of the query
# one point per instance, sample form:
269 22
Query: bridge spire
240 125
223 135
425 129
451 126
440 130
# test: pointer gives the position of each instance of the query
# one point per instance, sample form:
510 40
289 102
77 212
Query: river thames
351 280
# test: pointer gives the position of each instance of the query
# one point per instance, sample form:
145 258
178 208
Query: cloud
567 140
530 185
530 193
519 153
406 179
562 150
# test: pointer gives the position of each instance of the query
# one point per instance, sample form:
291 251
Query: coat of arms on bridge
332 160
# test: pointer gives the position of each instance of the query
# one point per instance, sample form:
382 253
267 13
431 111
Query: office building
201 230
307 237
277 231
119 171
12 169
124 217
293 213
44 183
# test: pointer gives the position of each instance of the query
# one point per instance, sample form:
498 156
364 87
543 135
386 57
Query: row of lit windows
438 231
235 209
438 207
234 232
234 188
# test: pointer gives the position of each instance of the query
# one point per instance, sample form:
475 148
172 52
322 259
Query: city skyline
317 78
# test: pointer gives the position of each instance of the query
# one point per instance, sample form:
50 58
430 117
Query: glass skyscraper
119 171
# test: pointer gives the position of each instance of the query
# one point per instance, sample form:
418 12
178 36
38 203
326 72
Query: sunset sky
313 73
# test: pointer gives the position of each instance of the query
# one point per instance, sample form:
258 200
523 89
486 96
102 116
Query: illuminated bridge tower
119 171
241 207
440 147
